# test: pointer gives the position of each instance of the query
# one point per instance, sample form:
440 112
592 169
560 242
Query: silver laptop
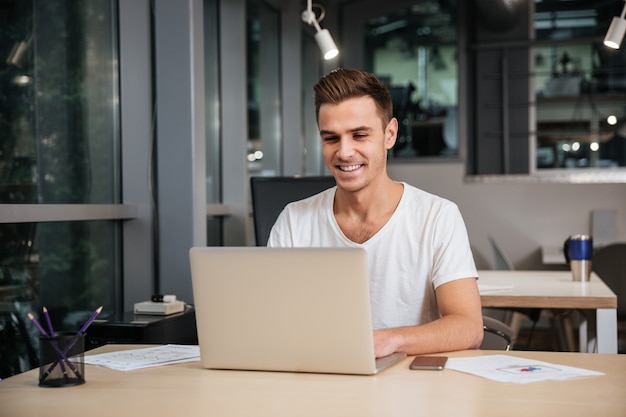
284 309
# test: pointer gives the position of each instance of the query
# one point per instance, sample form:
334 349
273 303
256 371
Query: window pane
58 110
69 267
58 144
580 86
264 108
414 50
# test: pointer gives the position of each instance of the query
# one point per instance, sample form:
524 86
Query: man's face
355 142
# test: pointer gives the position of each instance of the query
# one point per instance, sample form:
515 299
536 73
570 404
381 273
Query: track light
615 34
322 36
19 54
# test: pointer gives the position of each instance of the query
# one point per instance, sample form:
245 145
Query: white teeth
349 168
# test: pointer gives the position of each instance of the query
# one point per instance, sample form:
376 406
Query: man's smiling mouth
348 168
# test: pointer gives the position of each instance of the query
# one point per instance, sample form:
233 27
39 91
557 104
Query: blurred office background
129 131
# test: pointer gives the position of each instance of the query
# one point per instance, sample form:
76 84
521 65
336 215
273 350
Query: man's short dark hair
342 84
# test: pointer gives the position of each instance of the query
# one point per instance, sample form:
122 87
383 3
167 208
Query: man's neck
362 214
376 197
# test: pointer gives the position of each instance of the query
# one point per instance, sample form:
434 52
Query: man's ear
391 133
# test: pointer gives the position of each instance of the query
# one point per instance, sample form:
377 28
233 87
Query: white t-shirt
423 245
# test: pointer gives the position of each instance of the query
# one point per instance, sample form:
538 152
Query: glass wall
213 113
546 97
263 77
59 144
580 86
414 49
312 67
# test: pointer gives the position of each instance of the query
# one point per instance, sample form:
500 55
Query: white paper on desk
490 288
128 360
505 368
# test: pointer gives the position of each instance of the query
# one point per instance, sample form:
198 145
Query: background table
553 255
189 390
557 290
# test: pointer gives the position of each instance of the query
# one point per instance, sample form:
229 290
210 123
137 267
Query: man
422 275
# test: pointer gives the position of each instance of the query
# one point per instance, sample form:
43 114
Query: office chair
609 262
514 316
270 195
498 335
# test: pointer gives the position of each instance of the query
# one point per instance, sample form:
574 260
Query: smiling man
422 275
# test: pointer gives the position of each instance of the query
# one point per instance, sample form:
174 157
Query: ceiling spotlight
611 120
322 36
615 34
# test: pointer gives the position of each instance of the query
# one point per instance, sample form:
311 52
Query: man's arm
459 328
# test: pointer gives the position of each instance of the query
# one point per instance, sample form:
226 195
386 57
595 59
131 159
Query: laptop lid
284 309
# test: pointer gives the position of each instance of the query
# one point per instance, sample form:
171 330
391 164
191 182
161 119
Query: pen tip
30 316
45 310
99 309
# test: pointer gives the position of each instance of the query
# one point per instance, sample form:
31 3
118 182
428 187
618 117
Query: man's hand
385 342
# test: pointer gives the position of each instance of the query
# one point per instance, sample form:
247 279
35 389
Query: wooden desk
556 289
188 390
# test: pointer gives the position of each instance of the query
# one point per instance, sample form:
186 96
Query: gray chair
498 335
514 316
609 262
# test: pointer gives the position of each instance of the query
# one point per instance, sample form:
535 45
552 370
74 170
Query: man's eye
329 138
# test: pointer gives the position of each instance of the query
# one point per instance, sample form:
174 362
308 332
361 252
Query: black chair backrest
498 335
609 262
271 194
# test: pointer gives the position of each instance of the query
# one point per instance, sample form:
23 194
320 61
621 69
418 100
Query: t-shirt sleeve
280 234
453 257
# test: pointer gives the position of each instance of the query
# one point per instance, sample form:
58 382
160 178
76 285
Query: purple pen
37 325
83 329
47 316
80 333
62 355
54 343
89 321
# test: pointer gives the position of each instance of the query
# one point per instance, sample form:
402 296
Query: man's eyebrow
361 128
354 129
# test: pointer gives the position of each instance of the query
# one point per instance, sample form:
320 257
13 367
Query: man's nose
346 147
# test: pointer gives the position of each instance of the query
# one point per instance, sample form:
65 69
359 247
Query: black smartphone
433 363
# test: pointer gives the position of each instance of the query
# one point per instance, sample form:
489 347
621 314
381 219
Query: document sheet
505 368
128 360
